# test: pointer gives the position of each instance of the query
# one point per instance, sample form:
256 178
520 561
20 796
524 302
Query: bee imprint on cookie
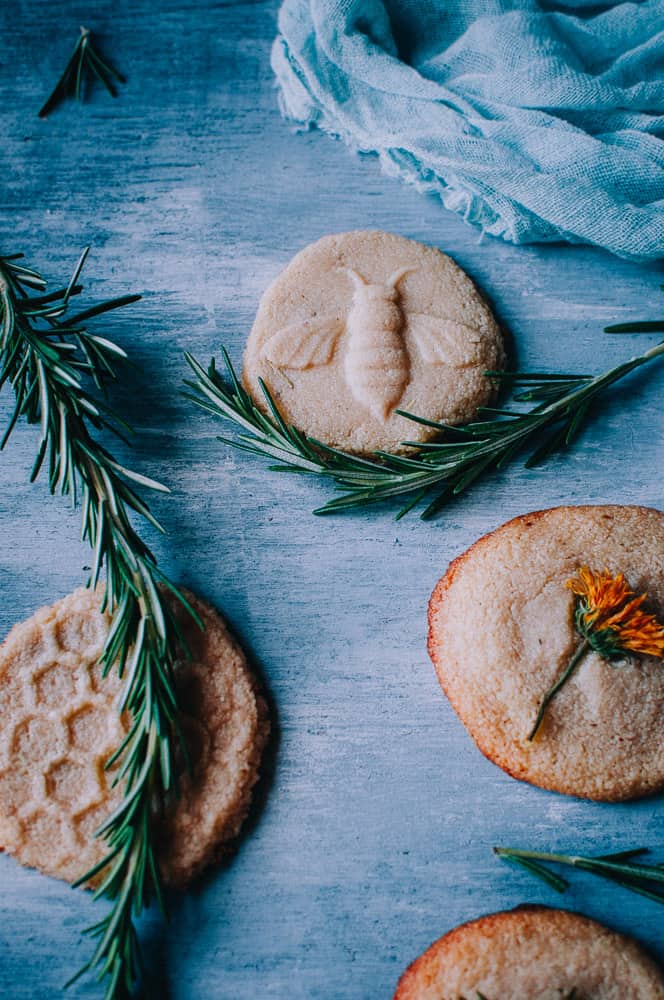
376 361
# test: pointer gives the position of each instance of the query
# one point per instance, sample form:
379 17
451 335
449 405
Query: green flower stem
578 654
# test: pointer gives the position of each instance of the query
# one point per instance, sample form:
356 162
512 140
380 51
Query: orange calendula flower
641 633
610 620
611 617
600 593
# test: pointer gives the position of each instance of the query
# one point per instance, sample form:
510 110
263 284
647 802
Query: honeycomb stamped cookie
362 324
59 724
547 638
532 953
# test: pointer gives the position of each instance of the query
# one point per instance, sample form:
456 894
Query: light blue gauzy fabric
535 122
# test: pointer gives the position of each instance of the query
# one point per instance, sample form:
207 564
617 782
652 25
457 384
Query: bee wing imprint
444 341
308 344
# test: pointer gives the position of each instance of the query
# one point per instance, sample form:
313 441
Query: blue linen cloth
534 121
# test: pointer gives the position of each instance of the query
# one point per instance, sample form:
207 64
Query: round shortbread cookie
361 324
501 632
532 953
59 723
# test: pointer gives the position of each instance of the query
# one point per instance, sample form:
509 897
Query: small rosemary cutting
46 353
85 61
444 467
620 868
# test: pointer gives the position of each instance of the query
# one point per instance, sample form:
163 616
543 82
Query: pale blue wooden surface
374 834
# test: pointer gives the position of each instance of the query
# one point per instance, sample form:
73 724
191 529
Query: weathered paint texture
373 831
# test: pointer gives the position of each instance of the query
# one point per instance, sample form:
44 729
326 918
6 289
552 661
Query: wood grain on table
372 833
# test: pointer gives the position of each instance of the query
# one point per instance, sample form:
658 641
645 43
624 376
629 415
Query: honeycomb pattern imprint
59 724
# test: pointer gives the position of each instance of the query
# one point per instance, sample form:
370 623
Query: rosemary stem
561 859
578 654
618 868
562 405
46 357
608 378
609 866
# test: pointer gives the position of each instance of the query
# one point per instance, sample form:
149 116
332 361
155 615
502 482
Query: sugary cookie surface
501 632
59 724
532 953
362 324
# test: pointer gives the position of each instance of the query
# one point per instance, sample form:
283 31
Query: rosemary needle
45 355
84 61
651 326
620 868
561 403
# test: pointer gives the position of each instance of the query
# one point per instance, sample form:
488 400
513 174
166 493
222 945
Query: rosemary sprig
460 456
45 354
85 60
620 868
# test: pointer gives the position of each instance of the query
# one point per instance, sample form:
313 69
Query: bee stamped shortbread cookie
532 953
363 324
547 638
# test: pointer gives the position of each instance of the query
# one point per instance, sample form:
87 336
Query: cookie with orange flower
548 638
532 953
